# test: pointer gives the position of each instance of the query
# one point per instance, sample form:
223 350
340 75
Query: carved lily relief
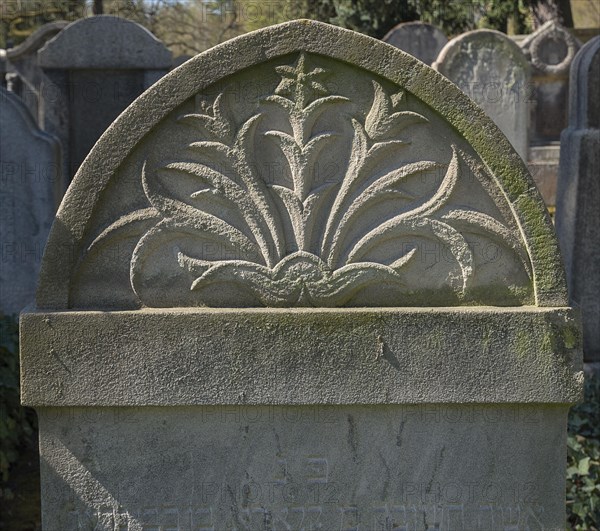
305 242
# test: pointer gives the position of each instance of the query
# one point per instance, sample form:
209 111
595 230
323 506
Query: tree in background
191 26
19 19
544 10
377 17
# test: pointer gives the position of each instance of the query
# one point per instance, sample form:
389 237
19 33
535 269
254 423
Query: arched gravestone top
551 49
300 165
36 40
584 103
420 39
117 43
491 69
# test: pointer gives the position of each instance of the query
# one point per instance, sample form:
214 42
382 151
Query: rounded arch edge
73 217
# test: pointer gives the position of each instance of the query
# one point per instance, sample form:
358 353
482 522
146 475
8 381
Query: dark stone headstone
29 166
578 205
93 70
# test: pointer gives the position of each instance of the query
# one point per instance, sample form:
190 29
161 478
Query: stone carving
422 40
490 68
302 164
577 212
309 243
304 181
551 49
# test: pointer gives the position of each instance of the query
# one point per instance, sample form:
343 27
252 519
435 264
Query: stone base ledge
184 357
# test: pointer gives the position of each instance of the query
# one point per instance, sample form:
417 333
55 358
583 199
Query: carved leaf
270 228
482 223
128 224
382 122
312 244
383 188
417 218
295 209
359 155
449 236
426 208
219 125
188 216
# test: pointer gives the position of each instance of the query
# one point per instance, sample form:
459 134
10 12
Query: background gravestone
24 73
419 39
30 171
550 50
577 211
93 70
332 303
489 67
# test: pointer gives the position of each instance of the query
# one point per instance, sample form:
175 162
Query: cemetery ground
19 457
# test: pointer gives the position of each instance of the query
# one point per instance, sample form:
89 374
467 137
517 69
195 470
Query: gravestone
302 290
550 50
419 39
29 164
577 211
25 75
490 68
93 70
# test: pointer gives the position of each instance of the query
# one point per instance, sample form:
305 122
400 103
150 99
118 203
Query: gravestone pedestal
314 419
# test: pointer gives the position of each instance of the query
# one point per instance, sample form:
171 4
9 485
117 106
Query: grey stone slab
419 39
273 356
489 67
93 69
117 43
543 165
302 223
280 468
550 50
105 94
577 212
30 173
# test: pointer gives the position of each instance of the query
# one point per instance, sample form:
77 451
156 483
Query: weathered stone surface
203 197
302 165
550 50
489 67
301 356
285 467
543 165
419 39
30 171
577 211
93 69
